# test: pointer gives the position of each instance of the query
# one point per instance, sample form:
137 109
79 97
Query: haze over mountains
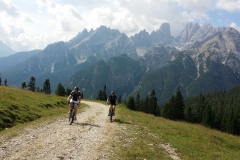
200 60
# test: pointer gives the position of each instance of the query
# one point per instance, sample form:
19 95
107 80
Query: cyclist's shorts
75 102
112 105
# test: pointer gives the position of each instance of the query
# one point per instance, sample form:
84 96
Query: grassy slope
146 133
144 136
19 106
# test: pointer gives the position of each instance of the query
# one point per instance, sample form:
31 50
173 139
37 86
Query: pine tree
31 85
137 102
207 116
104 93
120 99
60 91
200 107
24 85
153 105
68 91
47 87
131 103
100 95
179 106
5 82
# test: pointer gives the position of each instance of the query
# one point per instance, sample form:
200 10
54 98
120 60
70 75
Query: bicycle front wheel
71 117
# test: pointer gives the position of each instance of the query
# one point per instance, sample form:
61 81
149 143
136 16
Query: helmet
76 88
112 92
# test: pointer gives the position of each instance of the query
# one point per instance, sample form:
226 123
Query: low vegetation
18 106
151 137
140 135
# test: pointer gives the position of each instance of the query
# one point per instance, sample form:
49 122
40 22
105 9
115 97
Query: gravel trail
83 140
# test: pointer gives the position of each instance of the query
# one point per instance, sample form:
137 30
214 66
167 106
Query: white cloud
27 25
199 6
234 25
229 5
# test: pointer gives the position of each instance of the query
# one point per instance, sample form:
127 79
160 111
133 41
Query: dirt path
81 140
86 139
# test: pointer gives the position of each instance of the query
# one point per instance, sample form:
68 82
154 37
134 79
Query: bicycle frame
72 113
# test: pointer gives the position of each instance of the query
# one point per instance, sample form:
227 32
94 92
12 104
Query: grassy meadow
146 133
139 136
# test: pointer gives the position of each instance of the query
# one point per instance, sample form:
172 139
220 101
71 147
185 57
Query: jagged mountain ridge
5 50
202 59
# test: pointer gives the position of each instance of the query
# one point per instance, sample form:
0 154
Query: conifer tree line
103 96
147 105
217 110
5 81
46 89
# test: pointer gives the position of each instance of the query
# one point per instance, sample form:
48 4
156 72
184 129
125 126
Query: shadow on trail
120 122
86 124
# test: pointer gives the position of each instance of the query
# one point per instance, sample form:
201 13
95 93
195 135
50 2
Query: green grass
145 133
140 135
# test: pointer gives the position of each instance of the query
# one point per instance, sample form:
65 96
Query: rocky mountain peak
190 29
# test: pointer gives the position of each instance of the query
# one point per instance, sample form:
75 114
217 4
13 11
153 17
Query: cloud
234 25
9 8
199 6
229 5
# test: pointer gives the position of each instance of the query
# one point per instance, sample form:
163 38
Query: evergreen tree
68 91
153 106
24 85
120 99
200 107
131 103
179 106
47 87
145 105
31 85
100 95
207 116
60 91
104 93
137 102
168 109
5 82
189 115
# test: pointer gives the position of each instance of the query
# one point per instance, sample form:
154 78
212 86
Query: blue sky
33 24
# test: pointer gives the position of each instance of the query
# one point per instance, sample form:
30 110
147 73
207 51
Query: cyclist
74 97
112 100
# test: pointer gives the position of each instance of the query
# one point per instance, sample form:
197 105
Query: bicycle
111 113
71 114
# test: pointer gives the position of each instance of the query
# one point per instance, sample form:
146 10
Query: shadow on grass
120 122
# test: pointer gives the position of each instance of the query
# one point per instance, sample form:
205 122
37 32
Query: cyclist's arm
79 99
69 97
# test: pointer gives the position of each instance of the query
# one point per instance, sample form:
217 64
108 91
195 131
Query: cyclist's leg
110 106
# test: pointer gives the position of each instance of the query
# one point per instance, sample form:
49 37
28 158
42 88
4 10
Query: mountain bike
111 113
71 113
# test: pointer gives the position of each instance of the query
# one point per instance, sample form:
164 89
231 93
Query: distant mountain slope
5 50
12 60
120 74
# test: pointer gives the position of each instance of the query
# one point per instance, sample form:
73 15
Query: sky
33 24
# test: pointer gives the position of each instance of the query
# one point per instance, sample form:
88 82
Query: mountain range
5 50
200 59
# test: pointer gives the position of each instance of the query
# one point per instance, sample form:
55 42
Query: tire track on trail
58 140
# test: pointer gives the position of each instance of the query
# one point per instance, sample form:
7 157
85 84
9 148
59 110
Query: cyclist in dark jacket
112 100
75 96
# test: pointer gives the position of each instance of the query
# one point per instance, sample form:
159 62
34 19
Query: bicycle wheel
71 116
111 115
